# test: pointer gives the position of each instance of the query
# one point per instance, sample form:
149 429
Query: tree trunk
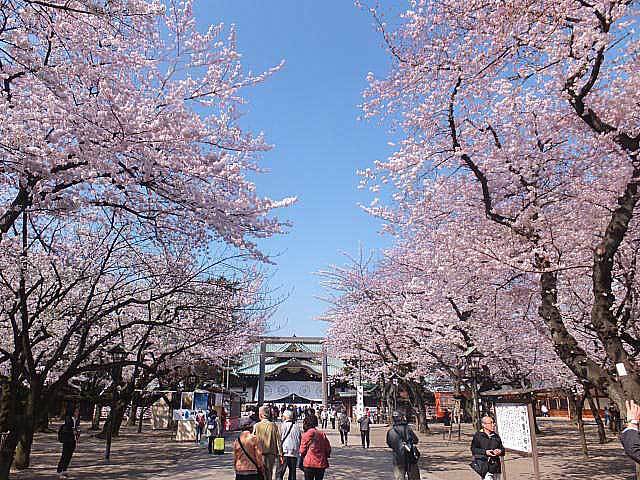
417 403
116 416
22 457
390 402
602 434
141 418
132 420
42 420
602 312
578 404
8 423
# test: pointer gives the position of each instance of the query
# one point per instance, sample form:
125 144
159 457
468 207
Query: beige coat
269 436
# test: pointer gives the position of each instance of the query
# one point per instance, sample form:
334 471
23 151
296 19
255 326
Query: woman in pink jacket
315 449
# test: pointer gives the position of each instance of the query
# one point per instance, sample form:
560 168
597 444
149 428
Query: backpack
65 435
411 452
212 425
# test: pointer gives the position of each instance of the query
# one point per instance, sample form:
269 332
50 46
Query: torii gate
264 341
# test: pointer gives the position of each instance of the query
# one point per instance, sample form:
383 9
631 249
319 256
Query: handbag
480 466
260 472
411 452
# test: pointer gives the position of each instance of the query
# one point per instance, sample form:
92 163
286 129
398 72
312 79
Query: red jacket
315 448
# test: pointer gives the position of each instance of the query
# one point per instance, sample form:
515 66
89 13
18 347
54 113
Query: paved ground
155 456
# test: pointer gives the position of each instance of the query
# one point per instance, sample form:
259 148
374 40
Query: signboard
515 424
217 400
359 401
512 420
201 401
182 414
186 401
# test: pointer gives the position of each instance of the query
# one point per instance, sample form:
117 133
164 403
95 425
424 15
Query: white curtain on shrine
274 390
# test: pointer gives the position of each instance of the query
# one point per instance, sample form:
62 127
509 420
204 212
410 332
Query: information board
512 420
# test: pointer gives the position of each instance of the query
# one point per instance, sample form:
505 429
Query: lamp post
118 355
472 358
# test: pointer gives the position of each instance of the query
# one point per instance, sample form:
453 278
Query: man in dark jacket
486 448
400 438
213 429
630 437
365 426
68 436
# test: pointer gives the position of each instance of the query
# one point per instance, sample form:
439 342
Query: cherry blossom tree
77 292
126 105
125 196
518 122
410 317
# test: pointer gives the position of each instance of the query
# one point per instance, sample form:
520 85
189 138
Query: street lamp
118 356
473 357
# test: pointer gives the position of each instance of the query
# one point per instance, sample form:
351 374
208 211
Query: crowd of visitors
272 442
265 448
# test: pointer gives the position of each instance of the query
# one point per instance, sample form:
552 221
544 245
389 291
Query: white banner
359 401
275 390
513 426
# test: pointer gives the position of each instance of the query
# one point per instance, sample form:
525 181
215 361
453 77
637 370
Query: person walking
213 429
607 416
401 439
486 448
446 420
615 418
201 423
248 460
344 426
365 425
315 450
332 418
324 417
544 410
290 436
269 436
68 435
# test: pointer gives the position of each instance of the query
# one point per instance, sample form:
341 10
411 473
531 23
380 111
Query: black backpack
411 452
63 434
66 433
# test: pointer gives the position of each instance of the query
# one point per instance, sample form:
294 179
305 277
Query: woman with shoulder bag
315 450
248 462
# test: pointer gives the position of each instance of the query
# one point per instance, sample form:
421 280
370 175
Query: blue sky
309 112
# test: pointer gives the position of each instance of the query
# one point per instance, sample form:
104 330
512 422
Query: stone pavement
153 455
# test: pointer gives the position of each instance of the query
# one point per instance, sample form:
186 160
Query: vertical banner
359 401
